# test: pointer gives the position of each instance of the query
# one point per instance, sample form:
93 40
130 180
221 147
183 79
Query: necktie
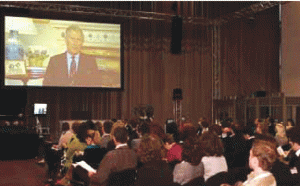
73 67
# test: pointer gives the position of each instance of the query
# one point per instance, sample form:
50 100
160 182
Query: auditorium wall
151 72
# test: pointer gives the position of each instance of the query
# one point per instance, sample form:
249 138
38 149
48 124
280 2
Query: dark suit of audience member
117 160
72 68
282 173
236 150
294 164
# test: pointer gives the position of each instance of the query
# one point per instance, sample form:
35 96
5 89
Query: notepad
86 166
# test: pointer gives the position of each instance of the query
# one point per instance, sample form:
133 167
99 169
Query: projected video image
60 53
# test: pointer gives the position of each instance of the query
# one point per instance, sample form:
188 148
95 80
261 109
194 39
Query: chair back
199 181
217 179
122 178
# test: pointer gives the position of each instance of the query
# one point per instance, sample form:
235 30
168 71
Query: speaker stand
177 112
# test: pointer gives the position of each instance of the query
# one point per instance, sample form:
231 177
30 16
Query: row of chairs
127 178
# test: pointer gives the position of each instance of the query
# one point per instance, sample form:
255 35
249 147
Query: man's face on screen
74 41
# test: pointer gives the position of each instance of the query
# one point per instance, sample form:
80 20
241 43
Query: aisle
22 173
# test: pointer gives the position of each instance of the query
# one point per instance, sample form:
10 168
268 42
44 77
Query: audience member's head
114 120
280 129
99 127
172 128
65 126
263 127
133 123
290 123
294 137
75 127
144 128
202 119
91 125
107 126
249 129
237 128
168 141
263 154
157 130
204 124
188 130
211 144
192 150
151 149
120 134
217 129
226 124
82 132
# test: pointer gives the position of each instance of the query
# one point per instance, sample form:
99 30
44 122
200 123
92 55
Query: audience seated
187 130
154 171
190 168
93 155
202 125
294 164
157 129
213 160
174 150
289 124
280 135
107 126
92 129
172 128
263 154
235 147
133 132
141 154
65 136
143 128
117 160
99 126
271 126
76 144
54 154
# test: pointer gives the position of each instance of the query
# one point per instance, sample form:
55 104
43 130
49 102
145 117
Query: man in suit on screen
72 68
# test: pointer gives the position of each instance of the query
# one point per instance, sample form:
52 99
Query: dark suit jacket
57 72
114 161
295 165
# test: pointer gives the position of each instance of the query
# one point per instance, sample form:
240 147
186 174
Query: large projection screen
290 49
98 65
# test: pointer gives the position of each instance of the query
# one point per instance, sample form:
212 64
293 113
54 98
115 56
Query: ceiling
196 12
207 9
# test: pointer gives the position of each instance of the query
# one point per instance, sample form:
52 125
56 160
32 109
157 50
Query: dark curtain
250 55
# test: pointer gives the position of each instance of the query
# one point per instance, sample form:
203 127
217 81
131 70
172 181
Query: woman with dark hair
187 130
92 129
190 167
174 150
154 170
213 160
